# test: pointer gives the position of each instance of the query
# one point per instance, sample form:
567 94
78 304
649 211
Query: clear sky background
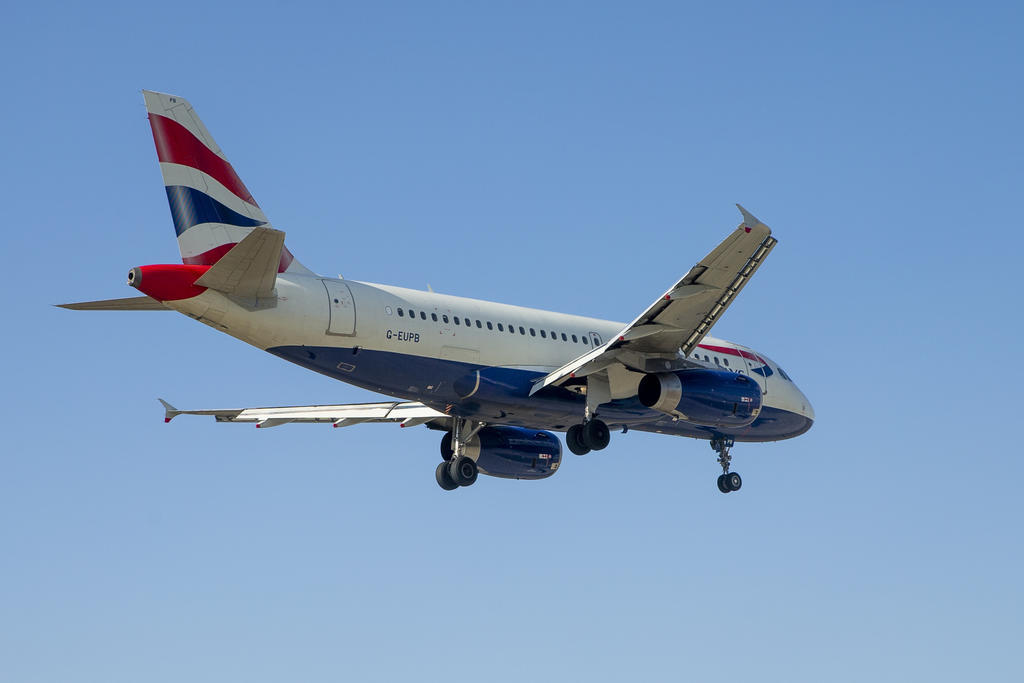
573 156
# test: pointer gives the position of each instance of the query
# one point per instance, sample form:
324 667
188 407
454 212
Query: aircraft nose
806 409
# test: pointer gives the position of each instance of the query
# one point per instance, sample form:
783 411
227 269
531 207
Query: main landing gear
727 481
457 469
592 435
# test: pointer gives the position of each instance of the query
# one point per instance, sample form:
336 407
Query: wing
681 317
407 414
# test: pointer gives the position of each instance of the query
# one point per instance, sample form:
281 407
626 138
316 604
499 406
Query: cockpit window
782 373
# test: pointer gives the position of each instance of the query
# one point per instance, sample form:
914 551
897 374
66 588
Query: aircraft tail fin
211 207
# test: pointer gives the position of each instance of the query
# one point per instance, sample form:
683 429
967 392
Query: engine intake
715 398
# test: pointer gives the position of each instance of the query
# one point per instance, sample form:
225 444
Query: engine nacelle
515 452
716 398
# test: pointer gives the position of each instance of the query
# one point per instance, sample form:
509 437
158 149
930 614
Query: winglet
170 412
749 219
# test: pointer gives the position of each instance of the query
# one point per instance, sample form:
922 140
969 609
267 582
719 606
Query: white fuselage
412 331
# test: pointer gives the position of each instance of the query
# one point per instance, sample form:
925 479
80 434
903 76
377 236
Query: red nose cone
167 281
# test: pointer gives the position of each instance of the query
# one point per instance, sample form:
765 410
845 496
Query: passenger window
554 336
501 328
400 314
726 361
445 319
716 361
478 325
423 316
584 340
456 320
533 332
434 317
564 338
542 333
522 330
574 340
412 313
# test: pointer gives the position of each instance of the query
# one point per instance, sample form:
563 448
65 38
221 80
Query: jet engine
716 398
515 452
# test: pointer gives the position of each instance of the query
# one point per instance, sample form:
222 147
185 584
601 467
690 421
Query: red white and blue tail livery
495 379
211 207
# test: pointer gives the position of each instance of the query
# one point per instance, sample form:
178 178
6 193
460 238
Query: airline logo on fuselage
765 370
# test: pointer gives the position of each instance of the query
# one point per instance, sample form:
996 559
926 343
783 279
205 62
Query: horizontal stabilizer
250 268
133 303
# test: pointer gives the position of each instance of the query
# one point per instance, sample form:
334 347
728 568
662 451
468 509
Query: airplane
495 379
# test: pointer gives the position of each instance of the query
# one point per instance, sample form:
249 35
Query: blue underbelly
501 395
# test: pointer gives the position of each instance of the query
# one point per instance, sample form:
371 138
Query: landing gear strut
592 435
457 469
727 481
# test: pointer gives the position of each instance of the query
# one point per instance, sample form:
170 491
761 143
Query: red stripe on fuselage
208 258
733 352
176 145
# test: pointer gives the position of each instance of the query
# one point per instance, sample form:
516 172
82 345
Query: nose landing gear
727 481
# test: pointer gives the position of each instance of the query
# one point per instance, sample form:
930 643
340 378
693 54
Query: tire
574 440
463 471
596 435
444 479
733 481
446 447
722 486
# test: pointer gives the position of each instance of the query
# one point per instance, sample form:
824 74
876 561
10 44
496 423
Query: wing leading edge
680 318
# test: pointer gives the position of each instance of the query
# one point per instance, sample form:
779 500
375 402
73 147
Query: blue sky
571 156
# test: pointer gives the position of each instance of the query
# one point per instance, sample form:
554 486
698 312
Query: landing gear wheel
463 471
574 440
727 481
596 435
446 447
444 479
